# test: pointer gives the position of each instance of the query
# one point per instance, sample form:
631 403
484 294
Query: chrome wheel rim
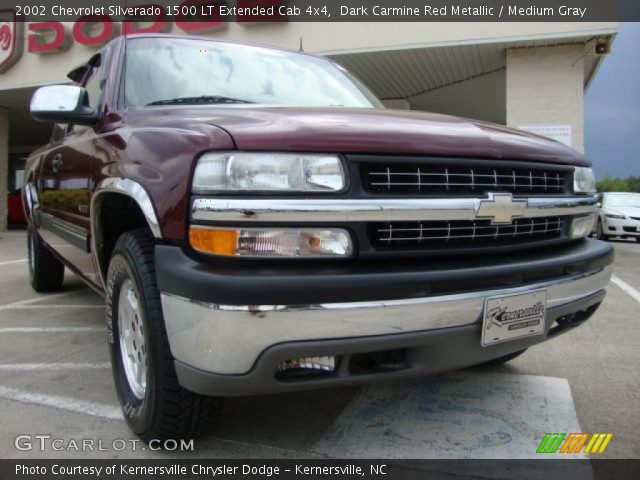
133 350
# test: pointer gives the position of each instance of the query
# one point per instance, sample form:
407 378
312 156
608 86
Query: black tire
638 239
166 410
46 272
600 232
501 360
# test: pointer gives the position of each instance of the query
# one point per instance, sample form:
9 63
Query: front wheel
638 239
600 232
154 404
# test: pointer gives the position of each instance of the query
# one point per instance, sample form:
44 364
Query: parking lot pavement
55 379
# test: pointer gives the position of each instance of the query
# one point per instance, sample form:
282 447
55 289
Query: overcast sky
612 108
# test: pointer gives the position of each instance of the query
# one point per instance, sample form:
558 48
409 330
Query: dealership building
526 75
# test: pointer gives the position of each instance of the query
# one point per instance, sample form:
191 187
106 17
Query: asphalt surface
55 380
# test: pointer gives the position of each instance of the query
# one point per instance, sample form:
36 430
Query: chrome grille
448 179
461 233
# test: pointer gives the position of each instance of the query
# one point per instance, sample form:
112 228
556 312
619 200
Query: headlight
613 215
268 172
584 180
581 226
271 242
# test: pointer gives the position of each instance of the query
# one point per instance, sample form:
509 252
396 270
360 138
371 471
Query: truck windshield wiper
202 99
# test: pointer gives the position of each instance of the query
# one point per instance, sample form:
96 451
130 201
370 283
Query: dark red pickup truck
258 222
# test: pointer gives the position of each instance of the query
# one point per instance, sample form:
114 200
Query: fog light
581 227
267 242
323 364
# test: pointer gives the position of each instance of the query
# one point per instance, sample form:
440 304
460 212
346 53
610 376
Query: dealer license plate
514 316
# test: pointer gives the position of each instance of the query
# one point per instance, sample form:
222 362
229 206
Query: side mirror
63 104
599 205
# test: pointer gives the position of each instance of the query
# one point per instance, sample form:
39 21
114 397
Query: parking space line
114 413
49 329
22 367
29 301
63 403
13 261
54 307
635 294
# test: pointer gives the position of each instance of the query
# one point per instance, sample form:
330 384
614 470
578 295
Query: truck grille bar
461 233
441 179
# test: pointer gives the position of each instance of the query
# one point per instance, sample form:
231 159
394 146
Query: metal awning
403 73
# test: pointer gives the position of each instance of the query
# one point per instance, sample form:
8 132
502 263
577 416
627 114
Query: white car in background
619 216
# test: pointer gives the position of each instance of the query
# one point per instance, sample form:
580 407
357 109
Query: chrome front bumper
228 339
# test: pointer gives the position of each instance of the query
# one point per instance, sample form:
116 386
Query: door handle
56 163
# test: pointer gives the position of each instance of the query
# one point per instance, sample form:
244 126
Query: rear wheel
638 239
154 404
600 232
46 272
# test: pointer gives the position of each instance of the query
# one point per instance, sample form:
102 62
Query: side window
94 85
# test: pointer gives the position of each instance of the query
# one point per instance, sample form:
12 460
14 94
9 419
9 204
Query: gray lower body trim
227 339
74 235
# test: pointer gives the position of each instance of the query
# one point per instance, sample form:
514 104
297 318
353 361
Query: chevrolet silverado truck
258 222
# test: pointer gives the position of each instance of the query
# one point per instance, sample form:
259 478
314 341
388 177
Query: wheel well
115 214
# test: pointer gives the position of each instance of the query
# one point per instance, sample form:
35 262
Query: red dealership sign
10 39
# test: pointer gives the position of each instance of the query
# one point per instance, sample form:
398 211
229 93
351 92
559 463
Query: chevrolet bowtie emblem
501 208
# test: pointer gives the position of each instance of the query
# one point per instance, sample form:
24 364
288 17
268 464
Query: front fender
159 157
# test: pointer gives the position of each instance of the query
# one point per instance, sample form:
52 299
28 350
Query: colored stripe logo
574 443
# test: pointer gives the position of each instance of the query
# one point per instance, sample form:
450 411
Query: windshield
622 200
174 70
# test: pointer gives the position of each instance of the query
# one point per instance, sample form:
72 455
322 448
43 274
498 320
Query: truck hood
351 130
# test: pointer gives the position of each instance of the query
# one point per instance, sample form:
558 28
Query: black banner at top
249 11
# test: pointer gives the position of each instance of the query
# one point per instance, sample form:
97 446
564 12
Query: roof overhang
405 72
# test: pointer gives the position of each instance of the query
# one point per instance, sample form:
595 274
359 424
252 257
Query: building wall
4 165
545 86
482 98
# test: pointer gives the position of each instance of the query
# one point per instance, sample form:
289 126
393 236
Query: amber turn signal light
271 242
218 242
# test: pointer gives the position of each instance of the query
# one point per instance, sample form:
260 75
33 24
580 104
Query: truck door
66 186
